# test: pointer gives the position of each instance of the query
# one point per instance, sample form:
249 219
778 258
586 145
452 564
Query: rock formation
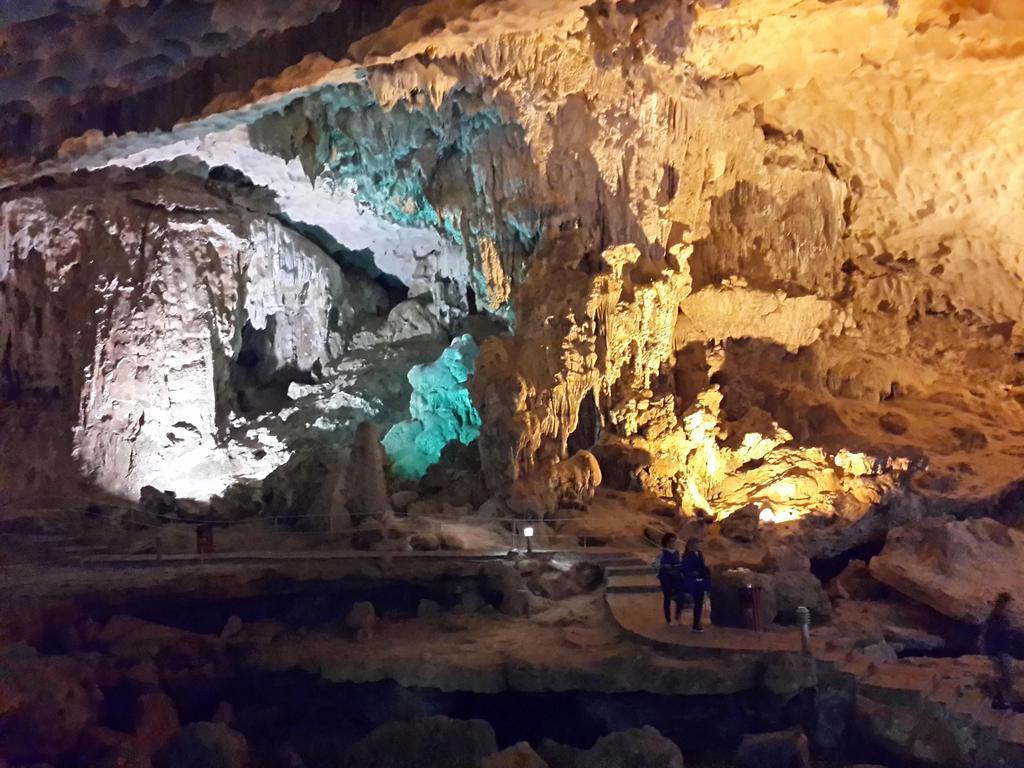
955 567
437 742
367 483
695 268
440 408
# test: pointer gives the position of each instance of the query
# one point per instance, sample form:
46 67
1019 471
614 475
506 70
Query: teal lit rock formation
458 167
441 410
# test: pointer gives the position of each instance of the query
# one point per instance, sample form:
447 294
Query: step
615 560
629 570
632 584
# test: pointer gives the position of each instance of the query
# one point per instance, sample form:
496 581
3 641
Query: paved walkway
940 692
640 615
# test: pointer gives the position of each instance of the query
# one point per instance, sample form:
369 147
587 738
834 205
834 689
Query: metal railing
325 527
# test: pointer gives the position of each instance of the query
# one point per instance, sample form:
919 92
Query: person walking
669 577
696 579
995 643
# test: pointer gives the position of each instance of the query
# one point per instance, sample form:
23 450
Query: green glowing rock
441 411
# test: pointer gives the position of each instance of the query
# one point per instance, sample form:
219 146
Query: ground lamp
528 533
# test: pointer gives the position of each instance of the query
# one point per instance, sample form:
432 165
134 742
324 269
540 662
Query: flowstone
441 411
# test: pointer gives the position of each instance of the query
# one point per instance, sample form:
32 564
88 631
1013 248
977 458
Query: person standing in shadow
995 643
670 577
696 579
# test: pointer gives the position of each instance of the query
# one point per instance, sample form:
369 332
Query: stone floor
944 693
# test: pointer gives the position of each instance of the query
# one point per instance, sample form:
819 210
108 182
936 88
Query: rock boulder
634 748
210 745
45 703
780 749
855 583
427 742
362 620
796 588
955 567
156 720
519 755
742 525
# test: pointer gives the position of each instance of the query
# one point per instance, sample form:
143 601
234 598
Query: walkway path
941 706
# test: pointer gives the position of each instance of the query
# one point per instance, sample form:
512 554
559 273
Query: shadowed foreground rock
428 742
782 749
210 745
45 703
519 755
636 748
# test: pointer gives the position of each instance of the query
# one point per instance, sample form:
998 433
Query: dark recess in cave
588 426
827 568
258 386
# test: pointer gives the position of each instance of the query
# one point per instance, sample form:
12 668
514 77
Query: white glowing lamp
528 533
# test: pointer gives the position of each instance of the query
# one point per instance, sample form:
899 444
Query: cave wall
777 218
124 301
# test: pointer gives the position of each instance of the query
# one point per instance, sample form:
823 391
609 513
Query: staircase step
632 590
629 570
632 583
619 559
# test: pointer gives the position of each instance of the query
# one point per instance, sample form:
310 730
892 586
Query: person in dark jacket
696 579
669 577
995 642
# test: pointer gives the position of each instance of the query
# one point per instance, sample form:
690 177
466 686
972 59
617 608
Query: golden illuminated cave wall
844 175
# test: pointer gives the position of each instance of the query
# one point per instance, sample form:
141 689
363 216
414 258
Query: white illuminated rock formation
145 313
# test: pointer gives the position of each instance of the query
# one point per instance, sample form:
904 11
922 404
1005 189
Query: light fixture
528 533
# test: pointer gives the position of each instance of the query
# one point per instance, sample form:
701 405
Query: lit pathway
932 698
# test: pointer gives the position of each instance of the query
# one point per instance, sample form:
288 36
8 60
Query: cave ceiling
820 202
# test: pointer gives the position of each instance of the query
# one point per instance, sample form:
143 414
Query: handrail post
803 620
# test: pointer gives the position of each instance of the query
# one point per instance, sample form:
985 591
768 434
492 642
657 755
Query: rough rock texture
367 483
955 567
719 276
211 745
636 748
45 703
436 742
156 721
855 583
782 749
441 411
166 310
519 755
362 620
800 588
128 67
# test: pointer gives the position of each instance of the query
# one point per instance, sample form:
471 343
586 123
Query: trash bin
204 539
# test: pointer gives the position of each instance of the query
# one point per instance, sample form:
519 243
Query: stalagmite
369 499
